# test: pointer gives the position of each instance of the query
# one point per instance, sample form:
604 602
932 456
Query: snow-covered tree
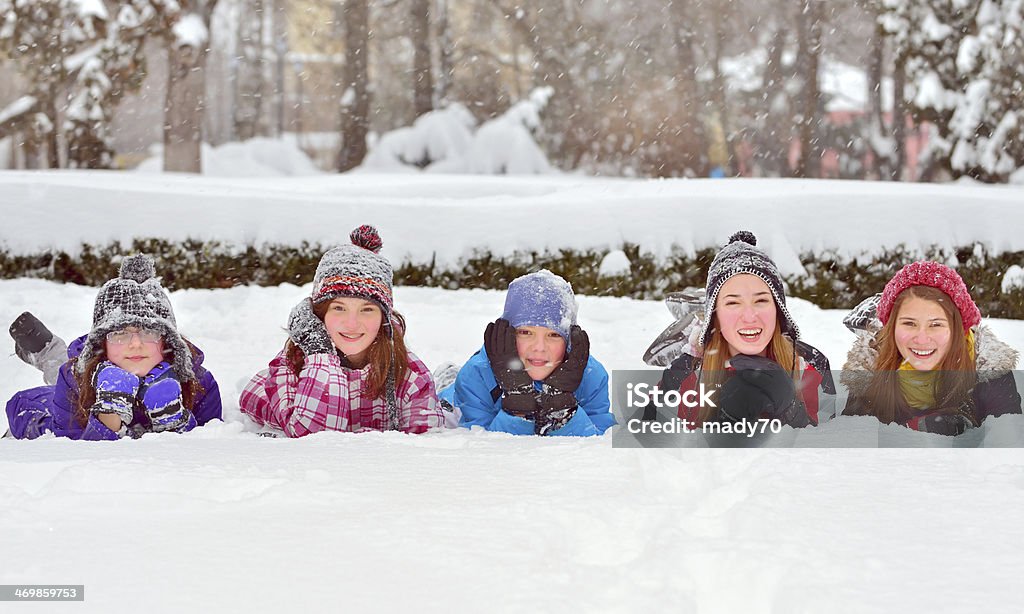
81 56
963 61
42 36
986 130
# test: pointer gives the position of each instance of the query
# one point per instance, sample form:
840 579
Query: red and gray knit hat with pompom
357 270
936 275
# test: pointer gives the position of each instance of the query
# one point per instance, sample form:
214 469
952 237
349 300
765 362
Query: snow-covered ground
458 520
222 520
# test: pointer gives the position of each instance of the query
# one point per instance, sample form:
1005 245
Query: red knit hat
940 276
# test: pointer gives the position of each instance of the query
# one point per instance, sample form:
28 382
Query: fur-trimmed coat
994 394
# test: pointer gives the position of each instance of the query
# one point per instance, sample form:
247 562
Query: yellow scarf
919 387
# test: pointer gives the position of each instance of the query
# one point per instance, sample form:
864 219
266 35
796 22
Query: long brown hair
712 367
956 374
190 389
378 354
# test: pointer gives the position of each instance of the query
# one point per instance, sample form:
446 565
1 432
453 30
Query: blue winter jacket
477 394
33 412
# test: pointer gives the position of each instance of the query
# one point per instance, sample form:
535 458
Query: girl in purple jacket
132 374
345 366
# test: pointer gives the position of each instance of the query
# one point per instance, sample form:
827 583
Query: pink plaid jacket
328 397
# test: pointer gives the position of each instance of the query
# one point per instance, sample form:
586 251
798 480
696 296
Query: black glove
308 331
951 424
557 403
554 410
518 395
760 386
567 376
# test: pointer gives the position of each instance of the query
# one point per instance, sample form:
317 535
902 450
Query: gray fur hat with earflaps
136 298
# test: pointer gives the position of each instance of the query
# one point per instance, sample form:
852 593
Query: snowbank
258 157
423 216
444 141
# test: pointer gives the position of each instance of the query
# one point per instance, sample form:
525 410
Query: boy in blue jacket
535 374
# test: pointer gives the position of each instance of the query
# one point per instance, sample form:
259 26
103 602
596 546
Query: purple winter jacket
33 412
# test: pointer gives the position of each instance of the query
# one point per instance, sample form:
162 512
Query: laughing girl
923 359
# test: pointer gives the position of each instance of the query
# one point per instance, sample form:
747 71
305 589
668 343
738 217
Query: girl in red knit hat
922 358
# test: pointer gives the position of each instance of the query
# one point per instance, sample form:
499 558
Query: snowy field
222 520
228 521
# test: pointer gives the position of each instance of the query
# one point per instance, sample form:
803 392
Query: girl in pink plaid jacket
345 366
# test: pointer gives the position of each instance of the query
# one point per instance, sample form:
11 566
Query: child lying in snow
922 357
535 374
345 366
132 374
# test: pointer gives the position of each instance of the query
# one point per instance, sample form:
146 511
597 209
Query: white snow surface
435 522
256 157
444 141
18 107
190 31
614 263
423 216
1013 279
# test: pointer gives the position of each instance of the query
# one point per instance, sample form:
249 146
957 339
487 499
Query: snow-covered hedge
833 281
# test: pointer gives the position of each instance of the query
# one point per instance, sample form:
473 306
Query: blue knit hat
541 299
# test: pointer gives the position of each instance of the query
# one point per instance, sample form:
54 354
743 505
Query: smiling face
135 355
745 314
353 324
923 333
541 350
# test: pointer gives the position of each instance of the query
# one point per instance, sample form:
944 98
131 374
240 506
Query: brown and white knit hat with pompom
136 298
741 255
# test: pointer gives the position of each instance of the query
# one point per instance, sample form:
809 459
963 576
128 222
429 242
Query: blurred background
902 90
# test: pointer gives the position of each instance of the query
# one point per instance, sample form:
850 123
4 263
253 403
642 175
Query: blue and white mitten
161 397
116 390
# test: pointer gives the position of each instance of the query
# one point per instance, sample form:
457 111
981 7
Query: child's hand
567 376
115 391
519 397
555 409
758 386
308 331
161 398
158 373
508 368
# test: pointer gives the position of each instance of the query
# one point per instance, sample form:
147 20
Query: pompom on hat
936 275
